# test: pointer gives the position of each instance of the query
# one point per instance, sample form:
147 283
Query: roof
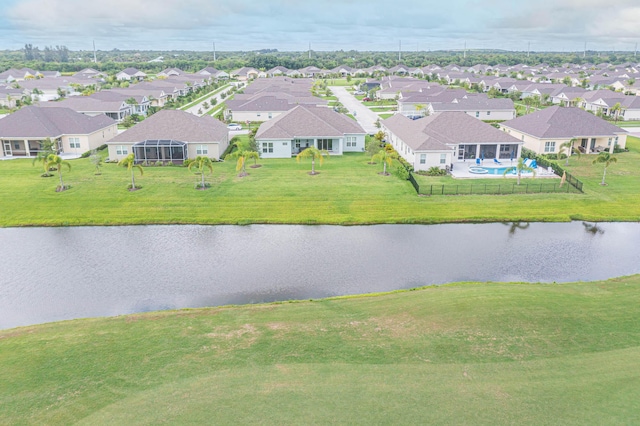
441 130
476 103
35 122
305 121
559 122
177 125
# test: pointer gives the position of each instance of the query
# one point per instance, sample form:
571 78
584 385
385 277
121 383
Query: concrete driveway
365 117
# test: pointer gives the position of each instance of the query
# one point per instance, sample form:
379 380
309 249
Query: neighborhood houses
453 119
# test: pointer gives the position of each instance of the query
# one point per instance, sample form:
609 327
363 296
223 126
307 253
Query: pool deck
461 171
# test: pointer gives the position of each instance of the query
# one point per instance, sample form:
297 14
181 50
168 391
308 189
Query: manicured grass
628 123
382 102
382 109
340 82
347 191
457 354
383 116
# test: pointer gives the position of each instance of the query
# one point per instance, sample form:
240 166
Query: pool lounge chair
495 160
478 161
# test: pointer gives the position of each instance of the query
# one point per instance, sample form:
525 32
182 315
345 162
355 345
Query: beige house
22 133
171 136
546 130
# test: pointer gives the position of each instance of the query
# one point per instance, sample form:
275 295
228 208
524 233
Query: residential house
131 74
304 126
22 133
171 136
245 73
169 72
478 106
92 106
445 139
546 130
213 73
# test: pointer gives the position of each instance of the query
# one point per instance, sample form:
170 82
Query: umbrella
511 155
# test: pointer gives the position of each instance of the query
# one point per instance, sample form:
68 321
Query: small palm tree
386 158
242 156
567 146
130 163
202 163
519 168
615 110
96 160
55 161
607 159
315 154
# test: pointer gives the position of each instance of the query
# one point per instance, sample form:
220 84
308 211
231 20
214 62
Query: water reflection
513 226
593 228
104 271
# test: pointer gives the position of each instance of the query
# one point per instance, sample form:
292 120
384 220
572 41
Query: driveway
365 117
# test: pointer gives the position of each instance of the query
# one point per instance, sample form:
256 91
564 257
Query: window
121 150
326 144
443 158
298 143
74 142
258 114
609 143
267 147
488 112
477 114
549 147
270 115
351 141
423 158
285 143
16 145
202 150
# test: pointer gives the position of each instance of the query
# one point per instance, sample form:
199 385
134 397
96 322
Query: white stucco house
305 126
445 139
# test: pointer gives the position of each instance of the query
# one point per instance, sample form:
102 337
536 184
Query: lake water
50 274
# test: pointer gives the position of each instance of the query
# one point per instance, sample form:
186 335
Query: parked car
367 99
234 126
358 92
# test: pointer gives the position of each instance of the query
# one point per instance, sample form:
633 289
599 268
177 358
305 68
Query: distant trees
49 54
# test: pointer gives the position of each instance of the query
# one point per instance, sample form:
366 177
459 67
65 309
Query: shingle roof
441 130
559 122
177 125
35 122
304 121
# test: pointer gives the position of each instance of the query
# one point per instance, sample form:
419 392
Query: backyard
348 190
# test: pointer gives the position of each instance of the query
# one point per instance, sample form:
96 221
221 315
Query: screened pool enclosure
164 150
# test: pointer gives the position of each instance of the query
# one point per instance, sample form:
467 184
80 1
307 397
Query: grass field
457 354
347 191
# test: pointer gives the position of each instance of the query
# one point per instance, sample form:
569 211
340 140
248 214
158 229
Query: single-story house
446 138
116 109
305 126
22 133
131 73
171 136
246 73
544 131
479 106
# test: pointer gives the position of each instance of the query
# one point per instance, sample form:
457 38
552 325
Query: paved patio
461 171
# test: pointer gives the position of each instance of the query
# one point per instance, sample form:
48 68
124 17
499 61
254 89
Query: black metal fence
496 189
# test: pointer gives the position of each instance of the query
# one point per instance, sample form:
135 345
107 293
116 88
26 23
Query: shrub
436 171
401 172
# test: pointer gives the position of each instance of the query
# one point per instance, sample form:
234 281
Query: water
50 274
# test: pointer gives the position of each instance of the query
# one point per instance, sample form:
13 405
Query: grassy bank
456 354
347 191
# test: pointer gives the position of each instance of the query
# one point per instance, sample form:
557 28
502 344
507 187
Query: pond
51 274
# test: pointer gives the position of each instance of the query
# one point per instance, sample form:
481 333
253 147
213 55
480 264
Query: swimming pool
495 170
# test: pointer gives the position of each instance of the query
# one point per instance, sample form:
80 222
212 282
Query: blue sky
562 25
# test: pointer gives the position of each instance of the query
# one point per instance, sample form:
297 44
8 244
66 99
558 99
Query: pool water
501 170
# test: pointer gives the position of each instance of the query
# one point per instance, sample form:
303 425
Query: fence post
442 190
526 188
431 190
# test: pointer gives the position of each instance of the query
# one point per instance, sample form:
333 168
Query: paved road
194 109
365 117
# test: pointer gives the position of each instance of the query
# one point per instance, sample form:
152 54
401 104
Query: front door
593 144
7 149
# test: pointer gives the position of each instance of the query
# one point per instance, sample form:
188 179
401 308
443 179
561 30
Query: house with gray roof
447 139
22 133
171 136
115 108
304 126
213 73
544 131
479 106
131 74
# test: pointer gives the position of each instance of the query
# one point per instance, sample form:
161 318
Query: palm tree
130 163
55 161
46 149
607 159
386 158
96 160
519 168
202 163
242 156
615 110
420 108
314 153
567 146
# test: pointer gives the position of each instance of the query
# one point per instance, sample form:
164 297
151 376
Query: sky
290 25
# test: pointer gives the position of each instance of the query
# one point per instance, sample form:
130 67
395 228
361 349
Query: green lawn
384 116
457 354
382 109
382 102
628 123
347 191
